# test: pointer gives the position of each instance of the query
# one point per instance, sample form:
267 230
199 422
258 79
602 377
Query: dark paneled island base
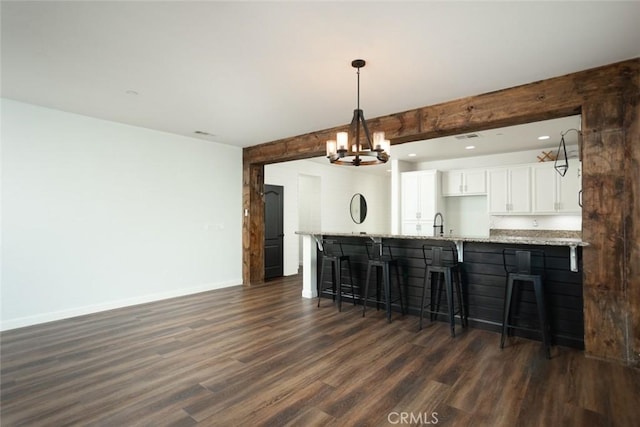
483 282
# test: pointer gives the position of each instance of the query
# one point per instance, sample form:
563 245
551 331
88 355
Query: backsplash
562 234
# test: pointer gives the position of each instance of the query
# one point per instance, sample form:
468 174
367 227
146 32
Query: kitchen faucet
435 224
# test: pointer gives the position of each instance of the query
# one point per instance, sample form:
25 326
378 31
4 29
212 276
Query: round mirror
358 208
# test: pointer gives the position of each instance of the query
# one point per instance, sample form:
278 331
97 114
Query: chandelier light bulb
343 141
331 148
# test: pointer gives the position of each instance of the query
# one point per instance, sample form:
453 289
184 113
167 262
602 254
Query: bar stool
332 253
382 263
518 266
449 270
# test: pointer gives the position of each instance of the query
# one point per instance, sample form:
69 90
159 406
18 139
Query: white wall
309 207
337 187
98 215
466 216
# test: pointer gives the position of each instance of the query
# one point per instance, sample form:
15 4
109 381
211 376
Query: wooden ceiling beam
546 99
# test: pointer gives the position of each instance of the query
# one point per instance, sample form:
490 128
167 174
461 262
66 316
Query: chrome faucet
435 224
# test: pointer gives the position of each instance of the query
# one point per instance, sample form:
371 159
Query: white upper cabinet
410 201
498 200
553 193
421 199
520 189
509 190
469 182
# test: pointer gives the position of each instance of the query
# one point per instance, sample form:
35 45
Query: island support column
309 266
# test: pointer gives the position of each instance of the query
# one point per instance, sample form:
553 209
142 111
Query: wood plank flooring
264 356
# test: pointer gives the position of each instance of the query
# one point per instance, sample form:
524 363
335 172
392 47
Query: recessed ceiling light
467 136
470 147
543 137
412 155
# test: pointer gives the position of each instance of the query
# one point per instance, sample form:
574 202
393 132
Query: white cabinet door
411 228
568 188
545 188
410 197
452 183
415 228
534 189
464 182
498 190
520 190
509 190
475 182
420 195
421 199
553 193
429 193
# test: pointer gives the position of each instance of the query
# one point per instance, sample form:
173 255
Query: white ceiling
494 141
252 72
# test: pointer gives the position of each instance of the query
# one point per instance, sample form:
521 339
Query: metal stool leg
338 282
353 292
542 315
507 308
463 311
432 294
320 287
386 282
438 287
379 272
425 283
449 289
366 290
402 308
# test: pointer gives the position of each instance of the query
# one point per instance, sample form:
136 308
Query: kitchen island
483 275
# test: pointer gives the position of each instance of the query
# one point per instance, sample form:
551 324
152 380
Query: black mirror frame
362 205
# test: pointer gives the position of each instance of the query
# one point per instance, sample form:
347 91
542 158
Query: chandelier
351 151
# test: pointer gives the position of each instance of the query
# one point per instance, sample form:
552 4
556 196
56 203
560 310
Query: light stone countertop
538 240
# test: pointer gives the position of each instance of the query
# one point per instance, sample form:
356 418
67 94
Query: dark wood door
273 230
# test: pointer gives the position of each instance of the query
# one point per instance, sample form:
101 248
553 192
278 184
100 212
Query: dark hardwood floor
266 356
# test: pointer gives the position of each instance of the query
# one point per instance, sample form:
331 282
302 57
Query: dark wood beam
552 98
607 98
253 223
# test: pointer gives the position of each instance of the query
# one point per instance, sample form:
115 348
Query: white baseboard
308 294
21 322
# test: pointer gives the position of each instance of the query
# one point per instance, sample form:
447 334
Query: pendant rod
358 146
358 97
